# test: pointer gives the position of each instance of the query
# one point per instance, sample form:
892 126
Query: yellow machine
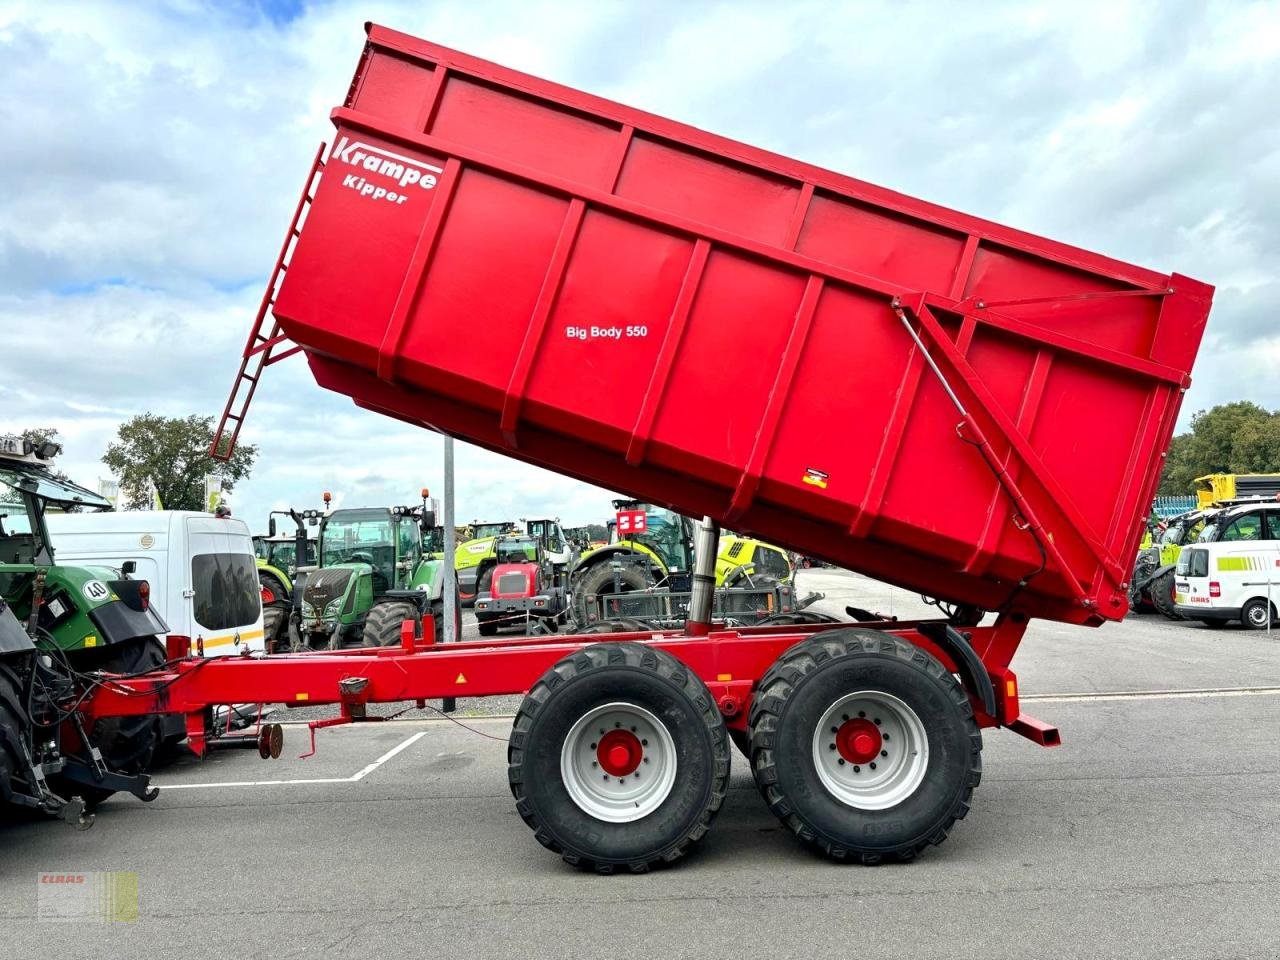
1216 487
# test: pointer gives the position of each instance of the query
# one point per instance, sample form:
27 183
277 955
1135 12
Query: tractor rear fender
621 551
973 672
419 598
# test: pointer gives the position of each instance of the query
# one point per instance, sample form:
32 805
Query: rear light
144 594
177 647
1215 588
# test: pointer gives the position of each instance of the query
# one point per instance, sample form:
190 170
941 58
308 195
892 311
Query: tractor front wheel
128 744
864 746
1161 590
382 625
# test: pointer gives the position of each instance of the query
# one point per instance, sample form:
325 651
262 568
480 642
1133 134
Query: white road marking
354 778
1206 694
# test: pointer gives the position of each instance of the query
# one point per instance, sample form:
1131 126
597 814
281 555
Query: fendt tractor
61 629
599 241
375 568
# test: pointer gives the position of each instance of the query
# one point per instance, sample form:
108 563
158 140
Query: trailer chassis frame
729 661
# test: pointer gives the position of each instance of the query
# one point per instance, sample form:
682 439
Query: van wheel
1257 614
1161 590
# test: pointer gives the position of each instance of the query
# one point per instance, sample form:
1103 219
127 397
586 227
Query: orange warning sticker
815 478
461 678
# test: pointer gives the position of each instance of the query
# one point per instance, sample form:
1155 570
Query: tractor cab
524 588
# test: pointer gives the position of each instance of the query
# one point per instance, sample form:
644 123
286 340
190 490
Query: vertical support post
450 589
706 539
450 592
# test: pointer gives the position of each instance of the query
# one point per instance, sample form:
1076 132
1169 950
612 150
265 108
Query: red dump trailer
932 399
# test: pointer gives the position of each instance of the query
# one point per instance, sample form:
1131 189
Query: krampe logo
403 172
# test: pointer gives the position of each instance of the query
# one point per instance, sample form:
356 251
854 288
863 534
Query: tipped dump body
698 323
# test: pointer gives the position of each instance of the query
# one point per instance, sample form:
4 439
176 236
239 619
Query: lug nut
593 746
637 774
856 768
831 746
885 735
644 743
876 721
594 764
633 729
841 761
862 713
835 729
844 716
872 764
884 753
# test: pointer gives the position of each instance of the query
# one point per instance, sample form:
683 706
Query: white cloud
152 155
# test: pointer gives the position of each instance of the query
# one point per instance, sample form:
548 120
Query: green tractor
661 556
71 623
376 567
278 564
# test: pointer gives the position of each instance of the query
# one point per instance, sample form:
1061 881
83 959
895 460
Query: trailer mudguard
973 673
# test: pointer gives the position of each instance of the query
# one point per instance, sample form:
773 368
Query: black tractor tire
797 618
1161 590
484 582
488 628
128 745
796 696
13 733
382 625
275 619
627 675
618 625
273 591
437 616
1258 614
1140 597
598 579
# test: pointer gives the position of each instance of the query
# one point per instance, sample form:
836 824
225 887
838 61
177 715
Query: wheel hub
619 753
858 740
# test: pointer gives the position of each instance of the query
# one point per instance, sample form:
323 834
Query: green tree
1239 437
172 453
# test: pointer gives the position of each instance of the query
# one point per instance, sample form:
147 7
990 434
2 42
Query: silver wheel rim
870 750
605 789
1259 615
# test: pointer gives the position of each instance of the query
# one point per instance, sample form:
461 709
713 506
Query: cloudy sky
151 155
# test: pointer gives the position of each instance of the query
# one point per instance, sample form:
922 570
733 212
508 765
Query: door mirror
128 568
428 519
271 526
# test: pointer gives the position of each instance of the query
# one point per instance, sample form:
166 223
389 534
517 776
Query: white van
202 570
1232 571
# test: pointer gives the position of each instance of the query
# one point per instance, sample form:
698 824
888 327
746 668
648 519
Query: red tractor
524 591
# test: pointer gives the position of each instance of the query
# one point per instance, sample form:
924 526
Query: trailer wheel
12 733
382 624
1161 590
864 746
599 580
1258 614
618 758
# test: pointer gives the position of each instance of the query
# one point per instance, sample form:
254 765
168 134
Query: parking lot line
1204 693
354 778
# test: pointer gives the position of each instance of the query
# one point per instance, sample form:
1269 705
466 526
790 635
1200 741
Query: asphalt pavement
1153 831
